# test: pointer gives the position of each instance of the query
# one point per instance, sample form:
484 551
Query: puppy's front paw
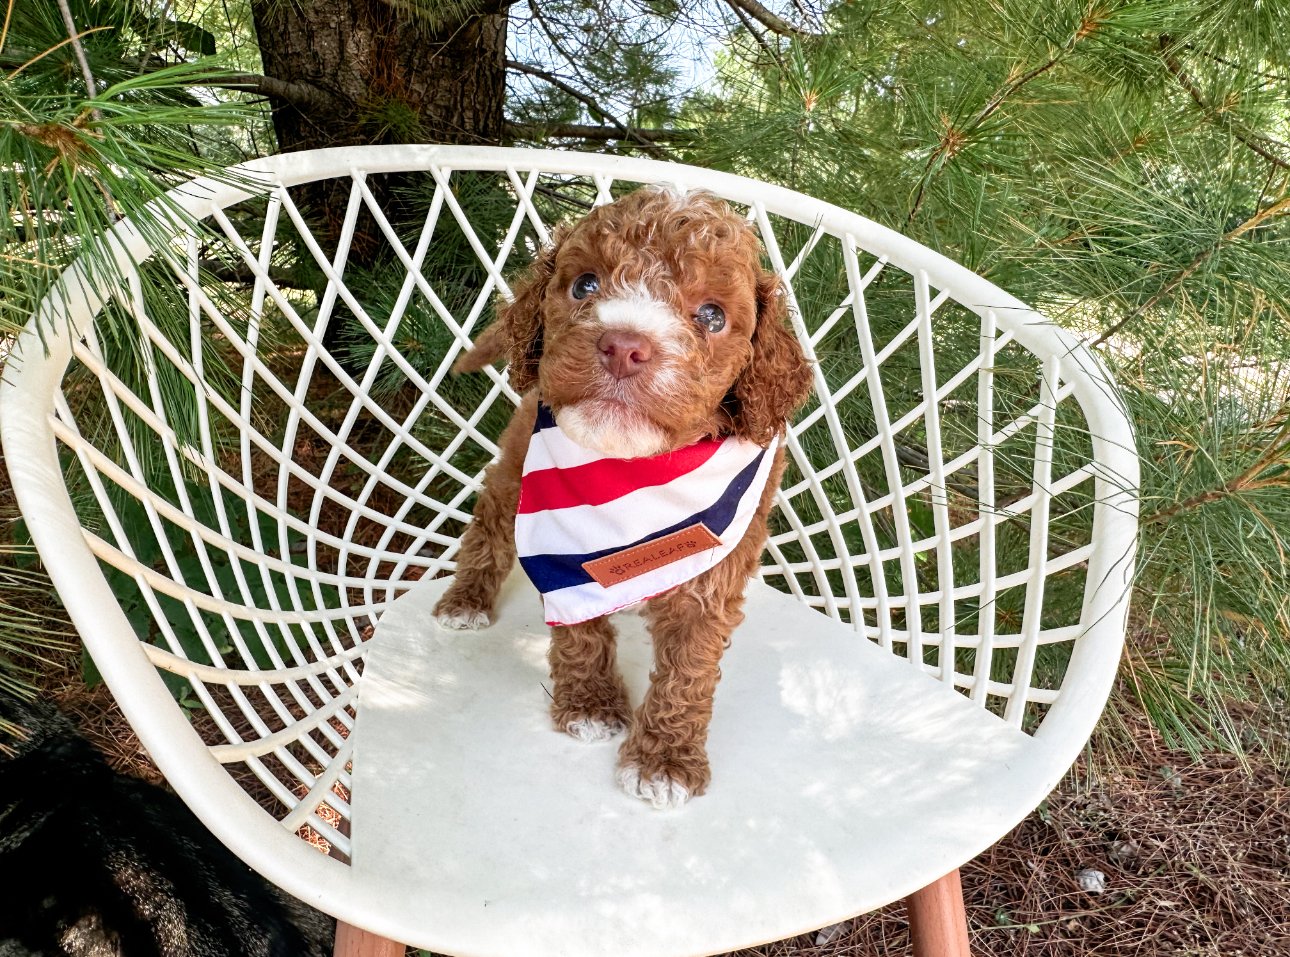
593 729
660 790
460 613
464 620
665 776
589 706
591 720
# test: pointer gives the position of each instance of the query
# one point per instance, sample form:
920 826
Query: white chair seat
842 779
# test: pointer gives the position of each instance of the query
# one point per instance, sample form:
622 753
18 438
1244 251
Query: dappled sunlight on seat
832 760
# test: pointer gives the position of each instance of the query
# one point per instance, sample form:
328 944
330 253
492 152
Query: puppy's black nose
624 353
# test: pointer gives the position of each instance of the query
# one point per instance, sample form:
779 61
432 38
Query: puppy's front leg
488 544
589 701
664 759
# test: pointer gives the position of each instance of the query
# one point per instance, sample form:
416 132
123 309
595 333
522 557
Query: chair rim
43 351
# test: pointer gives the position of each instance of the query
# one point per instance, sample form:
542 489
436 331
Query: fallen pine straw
1196 857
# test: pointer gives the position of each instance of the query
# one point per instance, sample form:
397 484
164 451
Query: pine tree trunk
379 75
386 78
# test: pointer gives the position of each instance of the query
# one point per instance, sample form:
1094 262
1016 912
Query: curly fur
675 253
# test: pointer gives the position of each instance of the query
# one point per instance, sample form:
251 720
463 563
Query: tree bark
376 71
388 78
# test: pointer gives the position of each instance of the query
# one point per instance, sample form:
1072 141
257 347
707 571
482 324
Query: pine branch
769 20
297 93
955 139
1248 481
19 60
4 31
1192 48
303 95
597 111
90 87
242 273
554 39
1183 274
645 138
808 14
599 134
1262 145
91 91
552 193
963 483
753 32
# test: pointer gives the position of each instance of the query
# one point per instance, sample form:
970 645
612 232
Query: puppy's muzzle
623 353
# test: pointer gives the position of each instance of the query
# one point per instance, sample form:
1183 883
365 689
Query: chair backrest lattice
285 448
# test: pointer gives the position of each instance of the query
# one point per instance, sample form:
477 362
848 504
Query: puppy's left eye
711 316
585 285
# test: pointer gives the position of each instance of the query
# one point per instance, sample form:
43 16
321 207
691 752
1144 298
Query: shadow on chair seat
843 779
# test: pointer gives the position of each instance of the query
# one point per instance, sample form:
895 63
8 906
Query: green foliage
1123 167
29 631
72 162
621 59
202 635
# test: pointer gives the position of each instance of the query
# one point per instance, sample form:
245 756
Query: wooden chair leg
937 919
352 942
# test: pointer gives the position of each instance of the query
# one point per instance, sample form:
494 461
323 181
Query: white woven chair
895 702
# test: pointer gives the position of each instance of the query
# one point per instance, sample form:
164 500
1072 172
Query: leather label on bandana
639 559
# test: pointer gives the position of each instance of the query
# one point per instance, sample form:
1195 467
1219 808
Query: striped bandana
596 534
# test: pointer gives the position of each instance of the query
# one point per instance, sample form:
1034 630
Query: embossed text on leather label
639 559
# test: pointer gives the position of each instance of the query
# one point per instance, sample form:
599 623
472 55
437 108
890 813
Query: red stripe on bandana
607 479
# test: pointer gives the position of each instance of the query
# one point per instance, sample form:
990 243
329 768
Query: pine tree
91 130
1124 167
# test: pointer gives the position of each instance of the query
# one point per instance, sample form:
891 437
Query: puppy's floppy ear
489 346
778 379
517 331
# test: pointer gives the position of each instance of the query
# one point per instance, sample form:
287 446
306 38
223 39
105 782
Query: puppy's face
651 324
648 320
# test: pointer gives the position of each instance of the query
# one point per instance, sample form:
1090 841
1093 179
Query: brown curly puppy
648 327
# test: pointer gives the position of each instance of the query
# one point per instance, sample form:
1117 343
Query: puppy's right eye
585 285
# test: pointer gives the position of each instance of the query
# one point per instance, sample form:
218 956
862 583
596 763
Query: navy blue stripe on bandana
545 418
